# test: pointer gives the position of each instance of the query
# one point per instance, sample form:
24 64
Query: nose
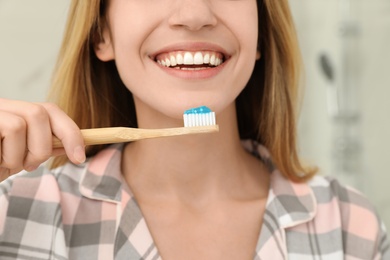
192 14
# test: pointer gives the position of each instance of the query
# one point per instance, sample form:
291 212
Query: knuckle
50 106
37 112
17 125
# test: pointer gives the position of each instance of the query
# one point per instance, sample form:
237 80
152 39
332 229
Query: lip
193 74
192 47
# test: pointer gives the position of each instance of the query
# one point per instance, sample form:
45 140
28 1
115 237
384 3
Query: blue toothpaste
198 110
199 116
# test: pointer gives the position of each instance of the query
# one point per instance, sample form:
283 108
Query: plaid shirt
88 212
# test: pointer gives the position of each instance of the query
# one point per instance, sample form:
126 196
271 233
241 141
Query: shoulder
23 184
29 184
326 188
351 202
351 205
30 214
33 200
42 185
347 210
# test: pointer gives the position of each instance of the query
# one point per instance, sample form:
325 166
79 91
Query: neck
185 167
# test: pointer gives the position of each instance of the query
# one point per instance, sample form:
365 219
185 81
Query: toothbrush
196 121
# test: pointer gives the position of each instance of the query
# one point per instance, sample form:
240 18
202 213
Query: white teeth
188 59
198 58
179 59
173 61
212 60
206 58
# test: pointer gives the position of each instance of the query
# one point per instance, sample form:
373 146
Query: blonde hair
267 108
92 94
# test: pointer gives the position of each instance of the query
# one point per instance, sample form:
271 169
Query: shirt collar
290 203
102 176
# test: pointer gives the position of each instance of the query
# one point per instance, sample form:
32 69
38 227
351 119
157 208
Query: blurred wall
30 33
319 25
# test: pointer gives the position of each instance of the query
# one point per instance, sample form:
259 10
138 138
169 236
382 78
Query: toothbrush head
199 116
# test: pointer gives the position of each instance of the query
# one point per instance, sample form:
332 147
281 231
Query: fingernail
79 154
31 168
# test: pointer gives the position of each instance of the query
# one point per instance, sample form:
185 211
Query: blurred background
344 124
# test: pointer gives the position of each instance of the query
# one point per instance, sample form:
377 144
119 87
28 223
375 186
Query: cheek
241 18
246 28
131 23
247 33
128 56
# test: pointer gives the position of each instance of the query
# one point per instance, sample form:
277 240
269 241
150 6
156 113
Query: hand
26 131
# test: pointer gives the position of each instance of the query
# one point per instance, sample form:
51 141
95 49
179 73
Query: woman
217 196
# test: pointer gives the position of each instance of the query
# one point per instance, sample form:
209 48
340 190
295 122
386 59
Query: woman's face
177 54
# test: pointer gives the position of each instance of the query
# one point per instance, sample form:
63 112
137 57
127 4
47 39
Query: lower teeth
202 68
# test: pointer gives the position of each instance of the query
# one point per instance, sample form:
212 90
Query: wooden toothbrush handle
112 135
96 136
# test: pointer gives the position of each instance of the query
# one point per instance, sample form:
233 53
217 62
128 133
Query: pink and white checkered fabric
88 212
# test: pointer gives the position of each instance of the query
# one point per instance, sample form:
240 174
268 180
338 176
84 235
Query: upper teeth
190 58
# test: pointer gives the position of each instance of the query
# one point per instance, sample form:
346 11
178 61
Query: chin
167 108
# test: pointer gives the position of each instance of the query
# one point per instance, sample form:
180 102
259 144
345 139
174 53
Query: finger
4 173
39 137
13 144
1 138
61 126
38 130
68 132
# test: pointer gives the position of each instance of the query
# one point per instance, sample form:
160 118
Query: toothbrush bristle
201 116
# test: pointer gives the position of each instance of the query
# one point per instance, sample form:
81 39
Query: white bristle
205 119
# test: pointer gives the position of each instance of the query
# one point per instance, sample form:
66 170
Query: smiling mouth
187 60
